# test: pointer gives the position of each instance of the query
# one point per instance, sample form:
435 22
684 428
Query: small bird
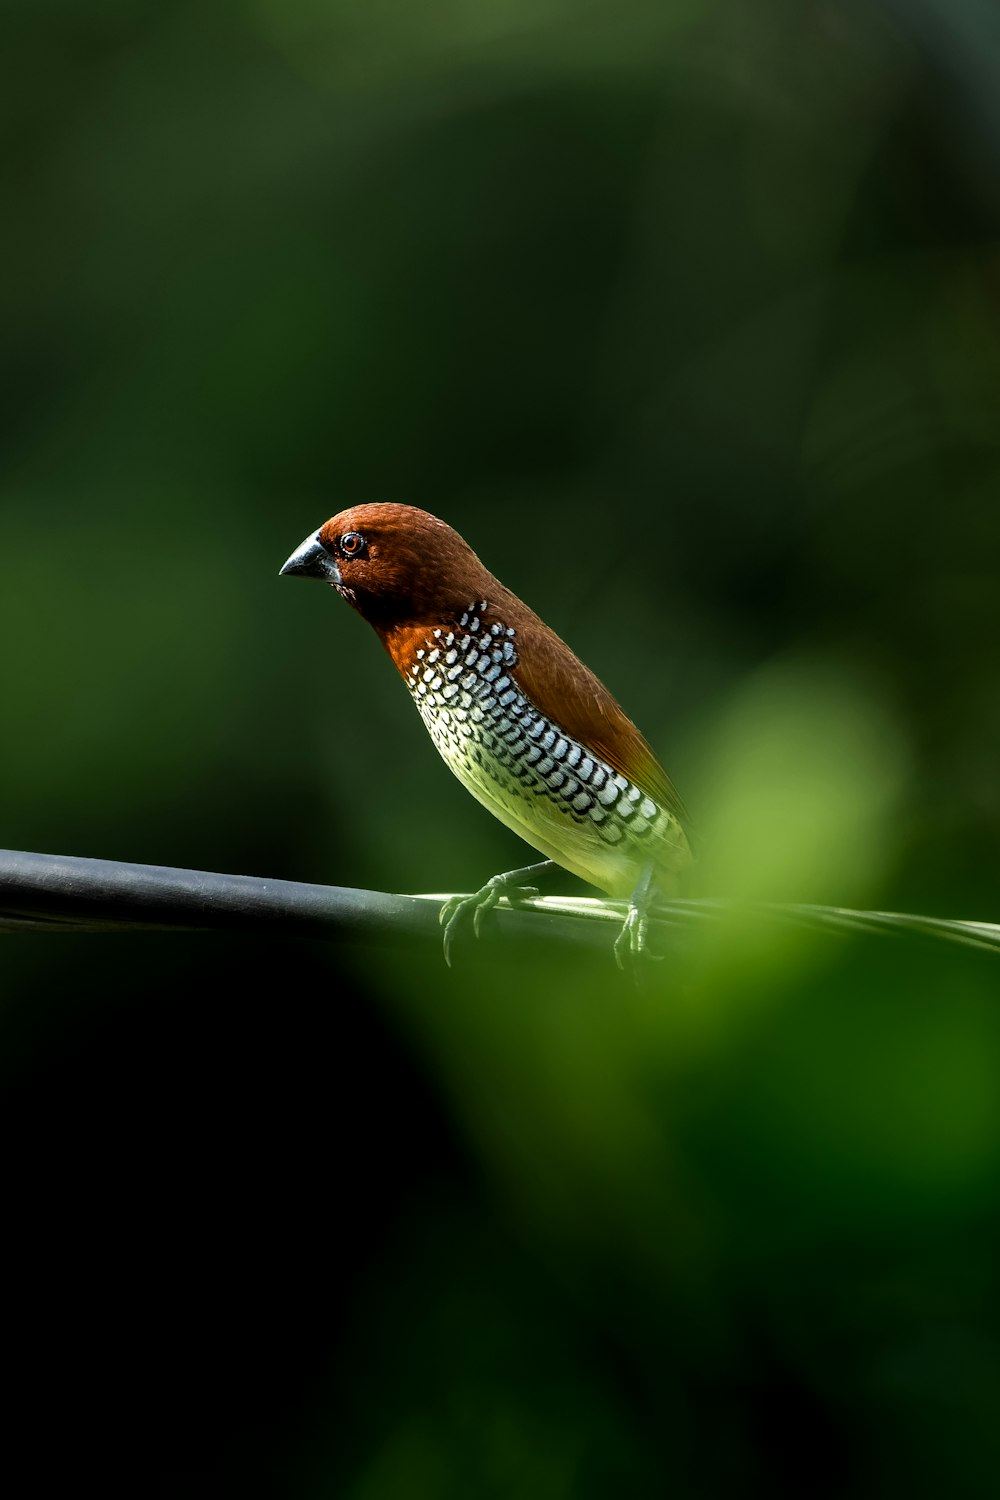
523 724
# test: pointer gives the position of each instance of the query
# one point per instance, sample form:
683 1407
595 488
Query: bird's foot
630 944
511 884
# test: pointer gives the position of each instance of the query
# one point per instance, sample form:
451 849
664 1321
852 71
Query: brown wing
559 684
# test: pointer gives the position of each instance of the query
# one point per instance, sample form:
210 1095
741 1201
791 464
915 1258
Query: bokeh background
687 316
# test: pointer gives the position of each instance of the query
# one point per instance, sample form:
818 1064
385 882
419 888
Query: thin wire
66 893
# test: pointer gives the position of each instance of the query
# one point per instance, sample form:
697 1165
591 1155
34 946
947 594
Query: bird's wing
560 686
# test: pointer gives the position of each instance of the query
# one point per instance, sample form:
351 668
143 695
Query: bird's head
395 564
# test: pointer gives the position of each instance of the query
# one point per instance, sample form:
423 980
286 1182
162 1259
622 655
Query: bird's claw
631 946
631 940
457 908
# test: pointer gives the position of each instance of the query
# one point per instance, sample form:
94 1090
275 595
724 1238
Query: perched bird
523 724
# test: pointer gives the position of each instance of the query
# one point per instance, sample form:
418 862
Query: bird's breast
516 760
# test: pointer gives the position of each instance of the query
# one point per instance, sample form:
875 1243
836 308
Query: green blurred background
686 316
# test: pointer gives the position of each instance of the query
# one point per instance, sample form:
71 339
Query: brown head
396 565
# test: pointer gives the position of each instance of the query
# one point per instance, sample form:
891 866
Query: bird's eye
352 544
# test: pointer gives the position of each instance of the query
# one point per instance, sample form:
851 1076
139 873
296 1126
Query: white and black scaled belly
519 764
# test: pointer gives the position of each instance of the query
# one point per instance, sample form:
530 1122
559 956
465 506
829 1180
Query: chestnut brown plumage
526 727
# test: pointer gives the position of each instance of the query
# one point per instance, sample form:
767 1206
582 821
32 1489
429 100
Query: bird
528 730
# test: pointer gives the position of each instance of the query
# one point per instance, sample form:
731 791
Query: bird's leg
514 885
631 941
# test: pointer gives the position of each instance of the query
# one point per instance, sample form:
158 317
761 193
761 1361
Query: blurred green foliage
686 316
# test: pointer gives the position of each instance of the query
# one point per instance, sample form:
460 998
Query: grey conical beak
311 560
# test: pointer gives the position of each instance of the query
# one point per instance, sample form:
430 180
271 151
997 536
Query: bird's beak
311 560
